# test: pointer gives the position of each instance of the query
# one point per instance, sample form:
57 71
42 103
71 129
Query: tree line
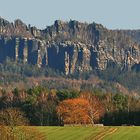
11 72
40 106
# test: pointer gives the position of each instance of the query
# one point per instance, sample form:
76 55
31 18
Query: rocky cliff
69 46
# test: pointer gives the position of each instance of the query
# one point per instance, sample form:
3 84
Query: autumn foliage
74 111
84 110
12 117
96 108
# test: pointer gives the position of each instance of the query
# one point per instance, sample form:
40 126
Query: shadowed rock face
69 46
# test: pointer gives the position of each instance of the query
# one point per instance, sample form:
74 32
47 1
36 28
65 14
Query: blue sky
113 14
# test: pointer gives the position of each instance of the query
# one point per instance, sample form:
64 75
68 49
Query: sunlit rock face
69 46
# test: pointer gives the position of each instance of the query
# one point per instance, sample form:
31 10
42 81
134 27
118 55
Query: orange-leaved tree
74 111
96 108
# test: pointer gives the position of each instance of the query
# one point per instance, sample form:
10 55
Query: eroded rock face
68 46
18 28
78 57
68 57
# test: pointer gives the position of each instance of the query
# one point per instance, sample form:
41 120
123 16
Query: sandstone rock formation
69 46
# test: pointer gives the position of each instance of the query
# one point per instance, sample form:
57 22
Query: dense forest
12 73
41 106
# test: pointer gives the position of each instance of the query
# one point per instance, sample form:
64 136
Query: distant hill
72 48
69 46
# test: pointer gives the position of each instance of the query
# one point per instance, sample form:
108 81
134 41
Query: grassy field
90 133
125 133
69 133
78 133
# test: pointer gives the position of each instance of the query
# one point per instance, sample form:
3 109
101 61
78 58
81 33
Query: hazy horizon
111 14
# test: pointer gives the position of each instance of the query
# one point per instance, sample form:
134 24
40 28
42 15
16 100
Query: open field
91 133
83 133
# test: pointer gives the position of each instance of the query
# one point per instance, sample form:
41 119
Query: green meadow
90 133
